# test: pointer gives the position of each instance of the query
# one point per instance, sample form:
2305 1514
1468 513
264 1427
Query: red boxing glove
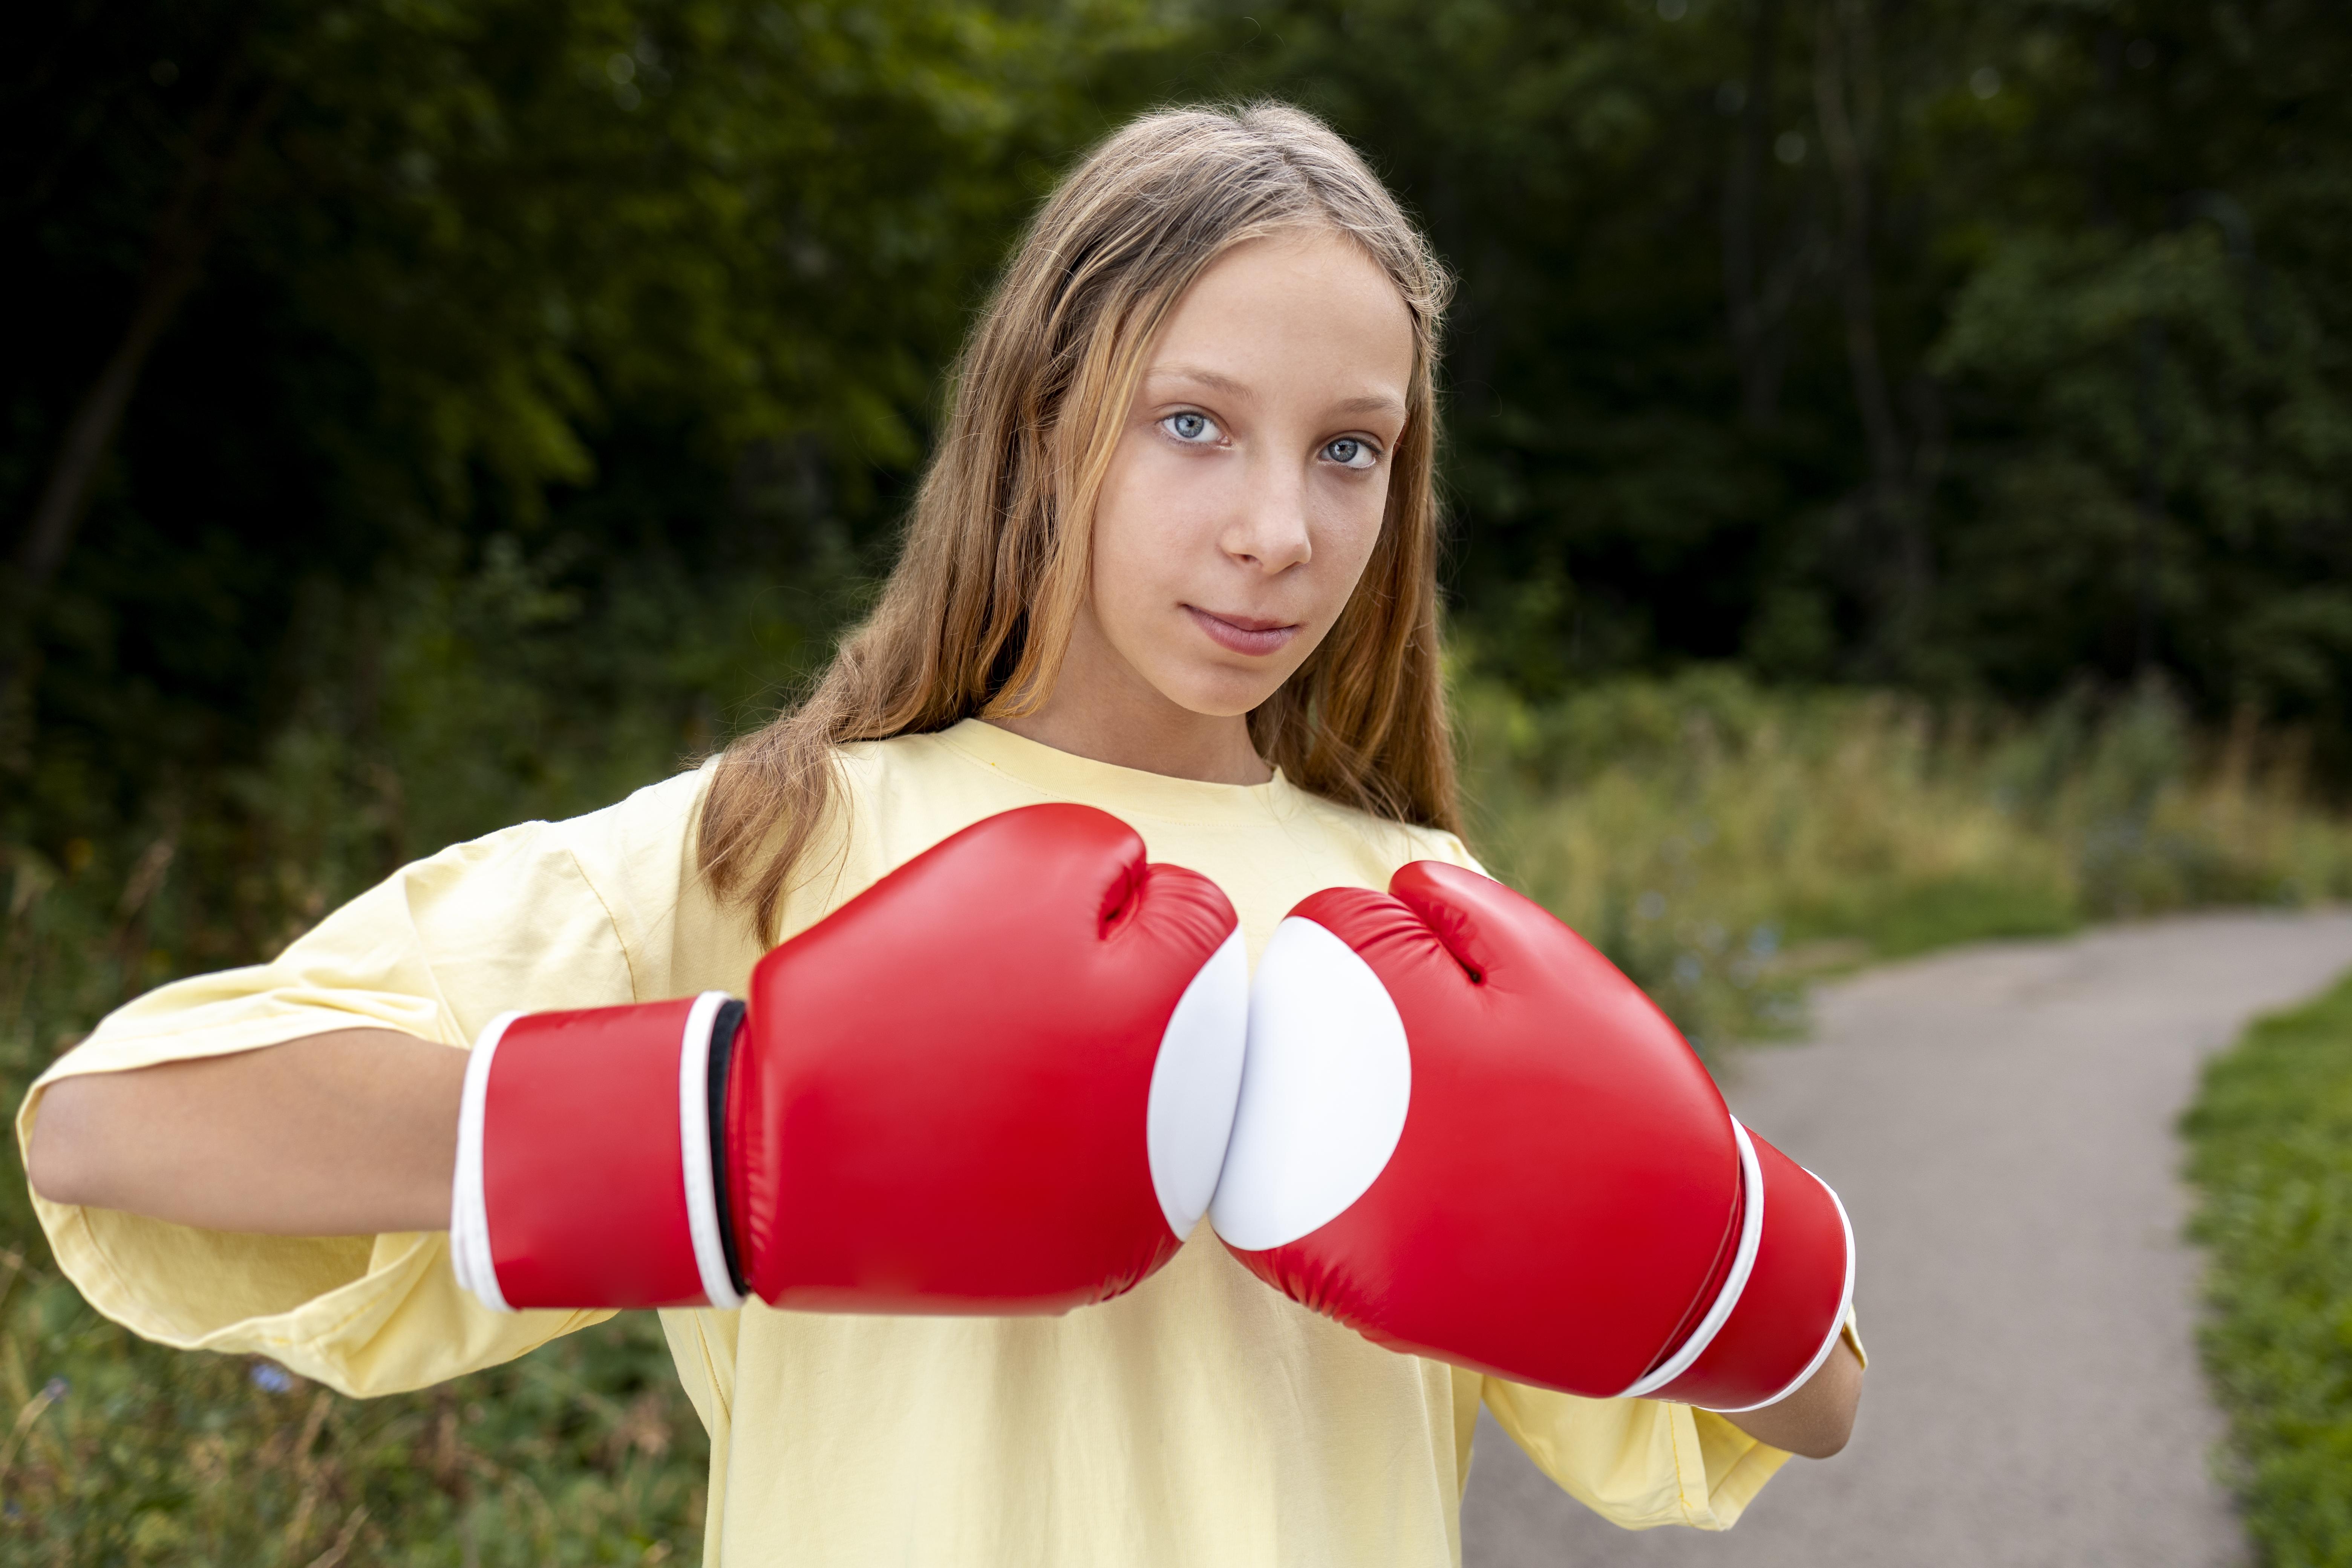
998 1080
1463 1133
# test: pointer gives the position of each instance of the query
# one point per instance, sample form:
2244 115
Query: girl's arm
355 1133
347 1133
1816 1420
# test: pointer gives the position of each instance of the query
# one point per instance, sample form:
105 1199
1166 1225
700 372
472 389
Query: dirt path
1999 1119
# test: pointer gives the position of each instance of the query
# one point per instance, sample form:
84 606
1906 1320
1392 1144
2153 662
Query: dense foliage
1981 348
628 316
1975 346
2273 1140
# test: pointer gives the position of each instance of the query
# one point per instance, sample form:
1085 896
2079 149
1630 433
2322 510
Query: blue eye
1349 452
1190 426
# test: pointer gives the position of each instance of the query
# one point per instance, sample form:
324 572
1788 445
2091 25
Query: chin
1214 698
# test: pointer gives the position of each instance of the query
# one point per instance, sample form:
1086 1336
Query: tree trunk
184 234
1751 326
1844 69
2148 521
95 419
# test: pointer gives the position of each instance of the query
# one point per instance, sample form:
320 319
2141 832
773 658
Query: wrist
1782 1307
587 1171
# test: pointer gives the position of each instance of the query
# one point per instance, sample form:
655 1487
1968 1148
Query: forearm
349 1133
1816 1420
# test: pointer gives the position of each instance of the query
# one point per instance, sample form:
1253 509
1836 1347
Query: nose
1269 531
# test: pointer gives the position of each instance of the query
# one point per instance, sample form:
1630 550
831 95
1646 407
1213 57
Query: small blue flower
56 1388
270 1375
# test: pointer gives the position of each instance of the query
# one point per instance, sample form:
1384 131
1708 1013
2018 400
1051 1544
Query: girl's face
1247 490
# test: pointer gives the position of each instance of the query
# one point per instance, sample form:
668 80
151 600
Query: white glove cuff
469 1220
1743 1263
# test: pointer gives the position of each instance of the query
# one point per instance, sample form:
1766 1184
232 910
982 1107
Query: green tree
333 298
1763 302
2168 461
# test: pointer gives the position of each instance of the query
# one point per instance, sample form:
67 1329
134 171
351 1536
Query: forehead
1304 306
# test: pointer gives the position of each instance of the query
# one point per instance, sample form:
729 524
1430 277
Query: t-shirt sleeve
1434 844
1640 1463
436 951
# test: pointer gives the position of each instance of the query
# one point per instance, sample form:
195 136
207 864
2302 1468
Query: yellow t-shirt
1199 1419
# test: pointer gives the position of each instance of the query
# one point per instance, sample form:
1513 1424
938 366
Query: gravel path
2000 1121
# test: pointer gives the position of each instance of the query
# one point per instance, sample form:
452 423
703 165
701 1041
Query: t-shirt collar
1124 792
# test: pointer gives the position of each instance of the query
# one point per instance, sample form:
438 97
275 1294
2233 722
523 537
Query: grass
123 1453
1722 841
492 702
1719 840
2271 1138
118 1452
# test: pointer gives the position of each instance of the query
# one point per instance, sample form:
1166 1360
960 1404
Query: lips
1243 634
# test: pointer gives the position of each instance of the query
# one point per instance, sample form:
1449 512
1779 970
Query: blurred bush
1722 840
512 691
1970 348
2272 1140
121 1452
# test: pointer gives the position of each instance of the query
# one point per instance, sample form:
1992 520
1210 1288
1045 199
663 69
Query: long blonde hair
977 614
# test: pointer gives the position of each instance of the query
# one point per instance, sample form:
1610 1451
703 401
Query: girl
1175 559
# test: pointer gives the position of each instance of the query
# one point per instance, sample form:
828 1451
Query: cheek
1127 536
1155 512
1349 532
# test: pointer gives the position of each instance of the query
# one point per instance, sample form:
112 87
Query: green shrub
495 697
2272 1151
1721 840
120 1452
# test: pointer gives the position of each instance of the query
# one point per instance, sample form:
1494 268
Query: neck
1102 709
1215 751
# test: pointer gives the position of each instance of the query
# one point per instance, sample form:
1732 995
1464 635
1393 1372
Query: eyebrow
1369 403
1199 373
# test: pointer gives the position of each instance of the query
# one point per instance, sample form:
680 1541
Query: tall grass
118 1452
2271 1137
1718 839
487 699
1721 840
